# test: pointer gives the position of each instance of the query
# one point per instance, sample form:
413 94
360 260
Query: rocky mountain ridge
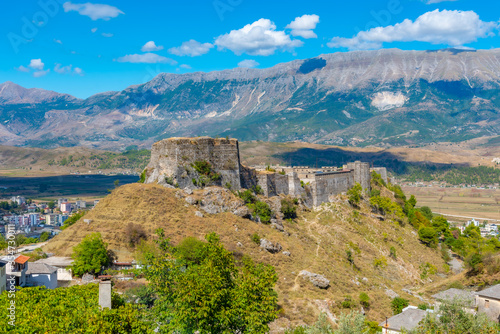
387 97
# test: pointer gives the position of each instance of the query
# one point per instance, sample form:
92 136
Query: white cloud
450 27
36 64
191 48
94 11
304 25
151 46
106 34
38 74
248 63
62 69
58 41
259 38
93 30
22 69
78 71
150 58
185 66
68 69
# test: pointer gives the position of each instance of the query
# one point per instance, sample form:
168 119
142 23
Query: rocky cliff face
388 97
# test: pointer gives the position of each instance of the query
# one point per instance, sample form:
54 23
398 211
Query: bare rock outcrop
269 246
318 280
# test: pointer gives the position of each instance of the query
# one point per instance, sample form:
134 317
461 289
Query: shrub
377 180
262 210
247 196
288 209
347 302
398 304
355 194
392 253
427 269
364 300
255 238
257 190
380 262
142 178
135 233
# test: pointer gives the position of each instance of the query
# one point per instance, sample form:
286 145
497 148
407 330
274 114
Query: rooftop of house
40 268
453 293
22 259
408 319
492 292
57 261
3 263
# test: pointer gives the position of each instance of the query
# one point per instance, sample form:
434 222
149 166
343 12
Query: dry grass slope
317 240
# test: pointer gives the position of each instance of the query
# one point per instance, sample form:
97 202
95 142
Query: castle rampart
173 163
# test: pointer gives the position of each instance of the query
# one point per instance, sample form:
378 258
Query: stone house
404 321
41 274
466 298
488 301
62 264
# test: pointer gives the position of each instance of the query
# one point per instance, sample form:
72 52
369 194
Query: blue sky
83 48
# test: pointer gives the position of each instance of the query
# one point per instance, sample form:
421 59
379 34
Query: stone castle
172 162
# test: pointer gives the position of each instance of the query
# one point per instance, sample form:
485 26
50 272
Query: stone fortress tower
172 162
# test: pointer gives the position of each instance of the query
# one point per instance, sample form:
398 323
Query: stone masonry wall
361 173
173 158
328 184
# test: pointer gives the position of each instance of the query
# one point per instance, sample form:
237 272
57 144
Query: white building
65 207
41 274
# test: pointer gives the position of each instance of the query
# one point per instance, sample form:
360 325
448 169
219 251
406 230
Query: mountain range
388 97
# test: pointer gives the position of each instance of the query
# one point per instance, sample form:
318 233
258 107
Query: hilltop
317 241
388 97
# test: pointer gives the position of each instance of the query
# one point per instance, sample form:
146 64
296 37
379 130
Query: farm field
465 202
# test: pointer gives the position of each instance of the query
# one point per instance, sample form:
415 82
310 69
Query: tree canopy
208 291
90 255
70 310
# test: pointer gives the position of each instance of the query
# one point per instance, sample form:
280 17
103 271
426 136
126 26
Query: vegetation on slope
385 254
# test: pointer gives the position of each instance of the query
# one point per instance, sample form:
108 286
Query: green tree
428 236
214 295
90 255
51 205
427 212
355 194
44 236
116 183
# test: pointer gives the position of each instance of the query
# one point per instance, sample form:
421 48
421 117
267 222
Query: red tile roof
22 259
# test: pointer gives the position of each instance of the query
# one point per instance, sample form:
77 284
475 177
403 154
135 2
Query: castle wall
173 158
273 184
361 173
382 171
328 184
